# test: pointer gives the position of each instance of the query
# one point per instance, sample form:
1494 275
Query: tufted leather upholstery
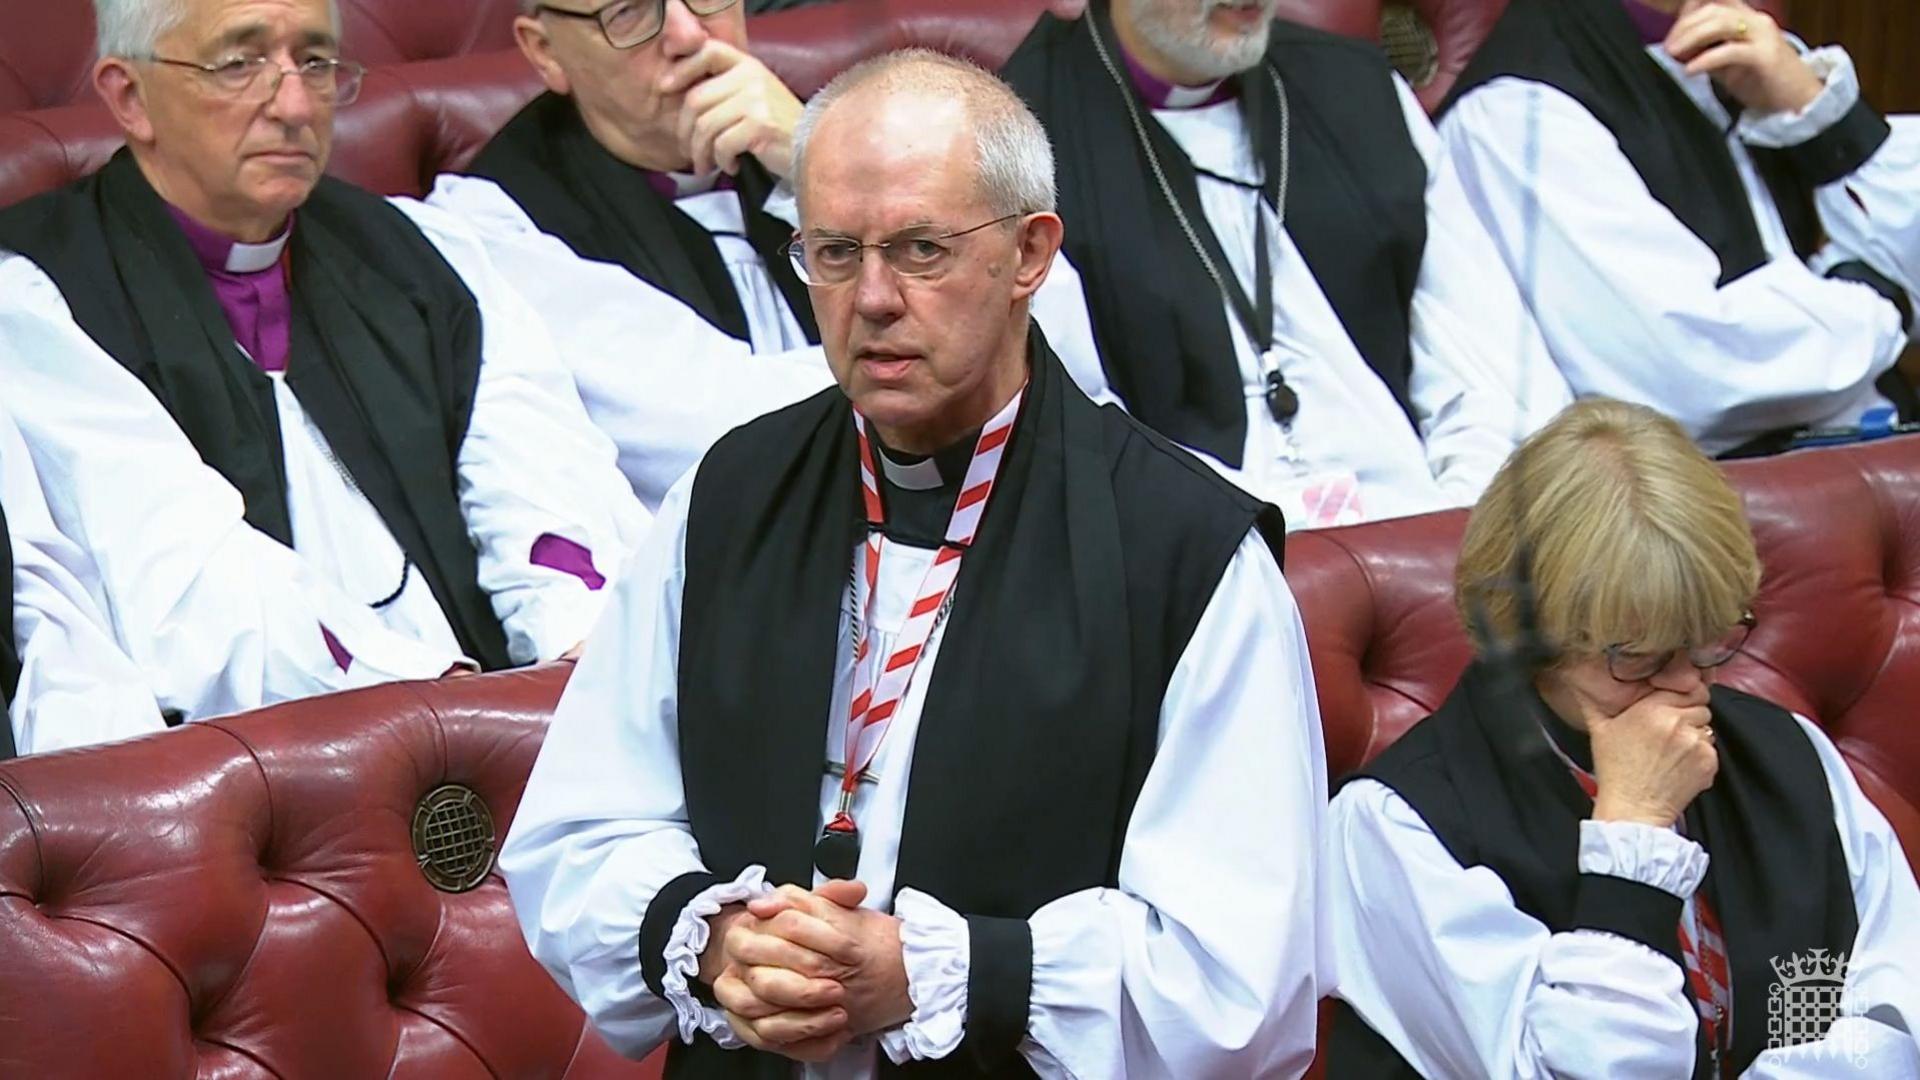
46 53
809 45
242 892
49 147
46 46
431 101
378 32
240 898
1839 615
1354 18
415 120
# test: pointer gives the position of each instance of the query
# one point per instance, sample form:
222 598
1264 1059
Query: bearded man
1281 269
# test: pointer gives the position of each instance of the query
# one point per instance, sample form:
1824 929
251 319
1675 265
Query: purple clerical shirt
1653 25
250 283
1158 93
675 186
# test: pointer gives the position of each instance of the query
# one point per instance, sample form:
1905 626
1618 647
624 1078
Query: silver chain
856 630
1160 175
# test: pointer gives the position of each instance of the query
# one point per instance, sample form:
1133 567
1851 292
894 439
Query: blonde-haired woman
1585 867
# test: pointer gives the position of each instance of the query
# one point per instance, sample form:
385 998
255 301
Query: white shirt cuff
1780 130
1647 854
936 947
552 617
689 940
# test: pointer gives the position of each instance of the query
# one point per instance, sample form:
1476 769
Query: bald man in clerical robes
947 725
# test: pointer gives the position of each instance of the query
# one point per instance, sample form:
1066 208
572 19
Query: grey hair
132 29
1012 154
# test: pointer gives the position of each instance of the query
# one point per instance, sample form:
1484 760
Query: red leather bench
46 46
243 895
431 101
419 118
243 898
1838 638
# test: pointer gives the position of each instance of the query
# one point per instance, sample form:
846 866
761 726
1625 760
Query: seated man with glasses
1068 815
640 204
1593 861
383 403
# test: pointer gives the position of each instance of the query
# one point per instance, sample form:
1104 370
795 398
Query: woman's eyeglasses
1627 665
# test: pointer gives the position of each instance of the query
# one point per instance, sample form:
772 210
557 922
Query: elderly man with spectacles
1067 820
642 203
638 204
304 365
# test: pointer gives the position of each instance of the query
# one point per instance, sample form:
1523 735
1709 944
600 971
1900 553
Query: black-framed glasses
1625 665
327 78
835 260
629 24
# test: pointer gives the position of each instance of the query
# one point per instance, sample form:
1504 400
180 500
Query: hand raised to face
733 105
1746 52
1654 759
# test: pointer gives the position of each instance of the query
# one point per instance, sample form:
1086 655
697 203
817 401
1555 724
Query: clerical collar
258 308
921 489
673 185
220 254
1158 93
926 472
1653 25
921 475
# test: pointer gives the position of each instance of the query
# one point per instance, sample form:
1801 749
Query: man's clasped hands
802 973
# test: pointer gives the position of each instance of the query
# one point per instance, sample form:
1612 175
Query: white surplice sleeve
217 616
1060 307
76 686
1628 298
545 504
1482 377
602 826
1207 959
1873 213
1439 960
661 381
1880 1008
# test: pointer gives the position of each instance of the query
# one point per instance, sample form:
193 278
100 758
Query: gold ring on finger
1740 29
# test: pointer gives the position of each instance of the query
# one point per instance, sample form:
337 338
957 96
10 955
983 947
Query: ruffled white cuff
1780 130
1647 854
689 940
935 945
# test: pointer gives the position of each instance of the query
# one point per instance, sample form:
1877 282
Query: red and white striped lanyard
1701 945
879 688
